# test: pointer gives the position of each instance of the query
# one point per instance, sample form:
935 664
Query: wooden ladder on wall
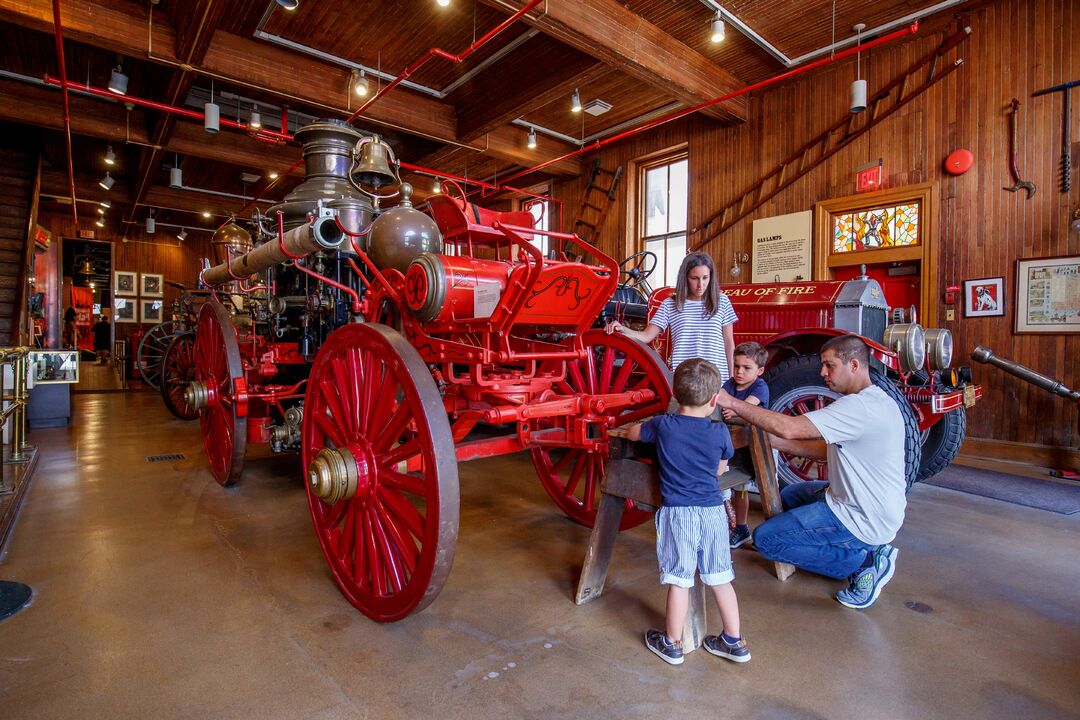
596 202
902 90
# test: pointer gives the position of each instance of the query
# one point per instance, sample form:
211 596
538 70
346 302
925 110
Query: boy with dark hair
745 384
691 527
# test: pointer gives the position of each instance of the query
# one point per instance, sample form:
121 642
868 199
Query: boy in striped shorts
692 526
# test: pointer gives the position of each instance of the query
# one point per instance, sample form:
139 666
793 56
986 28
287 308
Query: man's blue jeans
809 535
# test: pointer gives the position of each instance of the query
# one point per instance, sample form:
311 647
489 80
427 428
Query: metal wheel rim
177 371
218 365
390 548
572 477
799 401
151 351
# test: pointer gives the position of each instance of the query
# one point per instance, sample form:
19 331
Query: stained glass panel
875 228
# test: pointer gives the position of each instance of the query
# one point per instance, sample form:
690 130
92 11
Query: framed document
124 283
1048 295
152 285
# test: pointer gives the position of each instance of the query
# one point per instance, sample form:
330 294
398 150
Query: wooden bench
628 477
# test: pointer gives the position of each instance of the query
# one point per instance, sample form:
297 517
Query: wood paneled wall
1017 47
158 253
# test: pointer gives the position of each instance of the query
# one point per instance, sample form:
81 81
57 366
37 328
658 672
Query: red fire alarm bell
950 294
959 162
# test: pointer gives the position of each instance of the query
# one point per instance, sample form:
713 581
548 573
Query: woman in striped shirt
699 317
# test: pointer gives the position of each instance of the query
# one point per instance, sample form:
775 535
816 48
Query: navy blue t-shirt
689 450
758 389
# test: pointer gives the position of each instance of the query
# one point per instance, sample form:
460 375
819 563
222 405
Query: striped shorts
693 540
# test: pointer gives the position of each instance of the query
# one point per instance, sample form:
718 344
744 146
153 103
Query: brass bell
85 267
372 167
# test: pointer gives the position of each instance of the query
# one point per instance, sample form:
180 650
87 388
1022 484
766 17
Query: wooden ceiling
467 118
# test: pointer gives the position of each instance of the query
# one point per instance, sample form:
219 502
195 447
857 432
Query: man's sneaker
717 645
667 651
865 585
739 536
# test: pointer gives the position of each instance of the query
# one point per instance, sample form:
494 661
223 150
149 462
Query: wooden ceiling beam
122 26
609 31
487 111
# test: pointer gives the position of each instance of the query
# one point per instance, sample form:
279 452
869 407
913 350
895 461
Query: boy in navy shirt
745 384
692 526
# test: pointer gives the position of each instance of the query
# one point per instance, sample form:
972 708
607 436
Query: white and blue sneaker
866 584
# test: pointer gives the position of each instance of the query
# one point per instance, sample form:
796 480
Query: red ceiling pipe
690 110
437 52
154 105
67 108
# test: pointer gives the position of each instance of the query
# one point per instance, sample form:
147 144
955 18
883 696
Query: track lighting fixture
443 3
858 86
436 187
360 83
100 210
206 214
717 34
105 204
118 81
575 101
110 156
532 138
273 176
100 222
107 181
289 4
182 235
256 119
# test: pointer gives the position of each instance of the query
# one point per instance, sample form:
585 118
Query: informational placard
781 251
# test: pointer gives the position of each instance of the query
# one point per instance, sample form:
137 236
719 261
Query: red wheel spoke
360 565
404 482
386 552
385 406
590 372
332 431
574 374
403 511
562 462
402 452
333 515
605 370
337 411
375 568
624 374
642 413
345 391
347 539
575 474
392 433
407 550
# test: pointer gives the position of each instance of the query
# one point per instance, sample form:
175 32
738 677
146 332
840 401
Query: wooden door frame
824 261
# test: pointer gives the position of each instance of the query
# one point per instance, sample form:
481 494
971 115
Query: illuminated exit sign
868 177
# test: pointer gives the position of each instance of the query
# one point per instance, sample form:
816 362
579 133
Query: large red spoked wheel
615 363
382 478
218 367
177 372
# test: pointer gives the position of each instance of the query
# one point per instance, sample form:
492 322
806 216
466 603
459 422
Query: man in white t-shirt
842 528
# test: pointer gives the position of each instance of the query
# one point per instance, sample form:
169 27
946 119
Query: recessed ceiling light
206 213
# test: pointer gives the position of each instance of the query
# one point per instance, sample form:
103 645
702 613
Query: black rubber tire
941 443
804 371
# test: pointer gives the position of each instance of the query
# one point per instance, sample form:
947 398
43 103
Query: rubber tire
942 443
805 371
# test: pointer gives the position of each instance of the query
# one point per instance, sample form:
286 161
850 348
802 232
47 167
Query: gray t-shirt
865 433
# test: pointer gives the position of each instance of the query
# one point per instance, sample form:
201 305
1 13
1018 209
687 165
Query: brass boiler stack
328 147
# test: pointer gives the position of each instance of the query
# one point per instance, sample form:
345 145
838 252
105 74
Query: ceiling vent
596 107
250 178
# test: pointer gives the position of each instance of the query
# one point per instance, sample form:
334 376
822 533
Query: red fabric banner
83 301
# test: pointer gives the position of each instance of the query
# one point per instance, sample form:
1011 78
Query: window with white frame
663 189
538 208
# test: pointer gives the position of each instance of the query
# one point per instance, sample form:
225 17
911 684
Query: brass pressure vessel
322 234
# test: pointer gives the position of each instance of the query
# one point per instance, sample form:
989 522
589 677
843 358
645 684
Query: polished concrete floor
159 594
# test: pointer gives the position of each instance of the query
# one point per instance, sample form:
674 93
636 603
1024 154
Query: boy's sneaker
865 585
669 652
739 536
717 645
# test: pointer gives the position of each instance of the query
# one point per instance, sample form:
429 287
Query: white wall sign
781 250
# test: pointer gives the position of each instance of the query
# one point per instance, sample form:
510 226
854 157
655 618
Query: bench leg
696 627
765 471
601 544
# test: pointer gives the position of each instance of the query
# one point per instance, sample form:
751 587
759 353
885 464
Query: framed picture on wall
150 311
124 283
151 285
124 309
984 297
1048 295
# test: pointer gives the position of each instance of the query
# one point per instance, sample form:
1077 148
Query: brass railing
14 404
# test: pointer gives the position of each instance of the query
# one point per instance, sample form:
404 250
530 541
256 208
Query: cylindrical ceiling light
118 81
289 4
575 101
110 156
532 138
256 119
858 86
360 83
717 34
436 187
443 3
176 177
151 226
107 181
211 117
